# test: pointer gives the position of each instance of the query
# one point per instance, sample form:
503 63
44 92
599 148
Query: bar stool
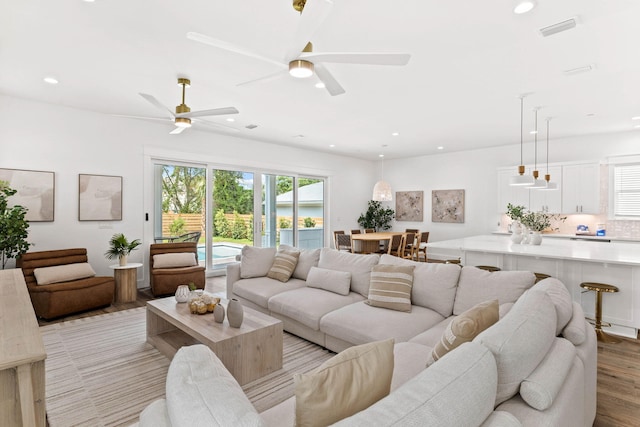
599 288
540 276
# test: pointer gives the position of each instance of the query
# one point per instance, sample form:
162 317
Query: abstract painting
447 206
100 198
35 191
409 205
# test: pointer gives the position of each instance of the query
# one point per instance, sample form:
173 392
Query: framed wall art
100 198
409 205
447 206
35 191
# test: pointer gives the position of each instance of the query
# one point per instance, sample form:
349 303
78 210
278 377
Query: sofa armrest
233 275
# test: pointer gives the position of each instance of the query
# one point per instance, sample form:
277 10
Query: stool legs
602 336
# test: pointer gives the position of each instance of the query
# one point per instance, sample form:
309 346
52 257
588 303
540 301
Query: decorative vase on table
536 238
218 313
122 260
516 235
182 293
235 313
526 235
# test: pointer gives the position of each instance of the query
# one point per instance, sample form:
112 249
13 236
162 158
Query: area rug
100 371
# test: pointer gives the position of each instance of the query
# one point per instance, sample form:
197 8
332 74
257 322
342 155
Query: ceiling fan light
523 6
300 68
382 192
183 122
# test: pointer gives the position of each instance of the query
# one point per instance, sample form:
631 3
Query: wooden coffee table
249 352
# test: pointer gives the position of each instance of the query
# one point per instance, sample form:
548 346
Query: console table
22 354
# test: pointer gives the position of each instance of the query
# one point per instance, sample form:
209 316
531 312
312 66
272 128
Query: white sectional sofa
536 366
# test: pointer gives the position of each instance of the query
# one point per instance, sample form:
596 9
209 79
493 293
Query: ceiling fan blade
330 83
370 58
229 47
177 130
217 125
163 119
312 17
213 112
264 78
152 100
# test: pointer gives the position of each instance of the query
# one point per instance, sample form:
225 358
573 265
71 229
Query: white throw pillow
63 273
308 258
174 260
359 265
561 300
338 282
256 262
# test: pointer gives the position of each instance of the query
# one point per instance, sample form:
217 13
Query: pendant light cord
535 158
547 146
521 126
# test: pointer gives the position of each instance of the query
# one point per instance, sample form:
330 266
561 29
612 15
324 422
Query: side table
126 277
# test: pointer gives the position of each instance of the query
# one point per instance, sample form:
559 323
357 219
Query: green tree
229 195
239 227
183 189
14 229
285 183
376 217
309 222
177 226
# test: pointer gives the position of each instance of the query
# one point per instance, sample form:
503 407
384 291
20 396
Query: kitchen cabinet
581 188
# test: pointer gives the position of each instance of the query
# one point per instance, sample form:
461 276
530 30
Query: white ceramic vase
122 260
182 293
235 313
218 313
536 238
526 234
516 232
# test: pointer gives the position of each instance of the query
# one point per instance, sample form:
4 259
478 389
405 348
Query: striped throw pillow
390 287
283 265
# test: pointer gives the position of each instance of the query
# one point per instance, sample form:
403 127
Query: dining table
368 243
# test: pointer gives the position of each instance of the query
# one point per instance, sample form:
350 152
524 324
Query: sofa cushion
408 361
258 290
63 273
575 331
308 258
347 383
391 287
155 415
283 265
358 265
173 260
477 285
338 282
308 305
459 390
434 284
541 387
561 298
465 327
501 419
353 323
520 340
199 388
256 262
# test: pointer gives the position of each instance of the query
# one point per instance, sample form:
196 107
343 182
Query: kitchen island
571 261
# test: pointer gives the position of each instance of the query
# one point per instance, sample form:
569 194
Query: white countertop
578 236
582 250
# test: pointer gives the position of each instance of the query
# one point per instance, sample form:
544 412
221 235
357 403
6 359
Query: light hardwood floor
618 367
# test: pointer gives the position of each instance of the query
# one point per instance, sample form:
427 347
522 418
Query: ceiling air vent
251 126
558 28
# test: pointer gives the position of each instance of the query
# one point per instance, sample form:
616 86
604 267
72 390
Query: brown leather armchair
165 281
60 299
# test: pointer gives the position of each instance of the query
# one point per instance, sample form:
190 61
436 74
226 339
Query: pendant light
550 185
521 179
538 183
382 190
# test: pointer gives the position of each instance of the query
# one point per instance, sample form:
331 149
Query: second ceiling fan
300 60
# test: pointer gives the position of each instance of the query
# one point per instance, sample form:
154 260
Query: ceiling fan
300 60
183 117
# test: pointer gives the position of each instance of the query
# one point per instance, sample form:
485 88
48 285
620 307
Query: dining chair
369 230
356 231
396 245
422 246
412 230
343 242
335 237
409 251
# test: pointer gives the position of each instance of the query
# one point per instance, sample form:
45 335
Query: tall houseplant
13 226
120 247
376 217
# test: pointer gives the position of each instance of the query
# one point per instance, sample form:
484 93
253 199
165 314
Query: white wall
69 142
475 172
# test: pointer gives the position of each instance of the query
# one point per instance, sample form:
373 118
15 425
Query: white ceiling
470 61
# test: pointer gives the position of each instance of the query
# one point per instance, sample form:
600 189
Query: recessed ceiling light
332 145
635 118
380 155
533 132
230 119
51 80
320 85
523 6
441 148
395 134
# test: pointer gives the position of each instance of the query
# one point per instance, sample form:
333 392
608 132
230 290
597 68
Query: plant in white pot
120 247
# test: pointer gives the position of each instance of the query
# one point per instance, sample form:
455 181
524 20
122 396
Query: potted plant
13 226
376 217
120 247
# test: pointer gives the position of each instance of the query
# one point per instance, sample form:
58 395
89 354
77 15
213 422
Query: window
626 190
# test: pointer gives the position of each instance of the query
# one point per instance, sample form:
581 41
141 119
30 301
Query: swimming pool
221 252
